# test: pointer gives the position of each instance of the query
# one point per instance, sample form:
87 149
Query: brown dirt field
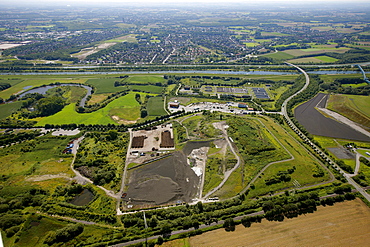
97 98
344 224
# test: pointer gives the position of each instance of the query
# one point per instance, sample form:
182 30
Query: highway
363 73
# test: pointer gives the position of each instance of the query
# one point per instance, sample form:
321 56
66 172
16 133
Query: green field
7 109
280 55
355 85
104 85
251 44
317 59
125 107
147 88
354 107
327 59
36 157
315 50
144 79
155 106
306 165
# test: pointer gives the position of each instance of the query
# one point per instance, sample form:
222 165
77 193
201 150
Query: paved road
317 149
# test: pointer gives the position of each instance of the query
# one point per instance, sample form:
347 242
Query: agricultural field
280 55
355 108
314 60
321 228
144 79
313 51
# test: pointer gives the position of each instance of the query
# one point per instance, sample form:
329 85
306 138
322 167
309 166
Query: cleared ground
169 180
344 224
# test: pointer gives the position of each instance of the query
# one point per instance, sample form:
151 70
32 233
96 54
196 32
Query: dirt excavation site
163 176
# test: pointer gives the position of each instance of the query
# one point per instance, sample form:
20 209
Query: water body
83 199
218 72
44 89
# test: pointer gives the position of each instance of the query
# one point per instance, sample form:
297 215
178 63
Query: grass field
355 85
327 59
7 109
325 227
144 79
155 106
318 59
318 50
252 164
354 107
280 55
147 88
125 107
104 85
250 44
38 157
305 164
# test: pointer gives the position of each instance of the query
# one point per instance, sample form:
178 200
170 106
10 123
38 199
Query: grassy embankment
305 165
354 107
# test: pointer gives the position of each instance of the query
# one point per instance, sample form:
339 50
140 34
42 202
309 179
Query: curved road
317 149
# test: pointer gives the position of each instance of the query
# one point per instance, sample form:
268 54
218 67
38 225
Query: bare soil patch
344 224
47 177
318 124
167 181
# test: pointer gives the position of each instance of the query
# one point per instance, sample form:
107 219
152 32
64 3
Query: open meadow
123 108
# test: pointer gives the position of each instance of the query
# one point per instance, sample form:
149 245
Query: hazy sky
188 3
179 1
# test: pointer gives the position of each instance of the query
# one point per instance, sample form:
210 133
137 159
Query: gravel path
344 120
